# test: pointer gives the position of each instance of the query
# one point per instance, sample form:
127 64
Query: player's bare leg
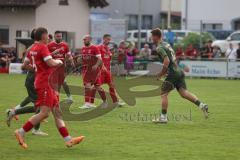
103 96
60 124
164 102
34 120
113 95
88 96
194 99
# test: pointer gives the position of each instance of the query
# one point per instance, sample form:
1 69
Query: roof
36 3
21 3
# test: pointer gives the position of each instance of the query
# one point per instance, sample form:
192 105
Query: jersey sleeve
161 52
45 53
97 52
67 50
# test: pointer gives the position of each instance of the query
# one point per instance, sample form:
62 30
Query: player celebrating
60 50
91 71
174 77
41 60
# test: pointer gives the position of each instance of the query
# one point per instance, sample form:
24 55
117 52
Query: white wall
176 5
211 11
23 19
71 18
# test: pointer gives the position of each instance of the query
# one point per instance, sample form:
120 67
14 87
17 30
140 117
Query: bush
195 40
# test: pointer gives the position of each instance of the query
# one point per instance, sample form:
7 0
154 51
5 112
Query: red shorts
106 77
57 77
93 77
47 97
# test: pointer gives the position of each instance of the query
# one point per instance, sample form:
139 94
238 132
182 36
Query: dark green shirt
163 50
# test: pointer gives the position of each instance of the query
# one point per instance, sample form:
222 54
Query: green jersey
163 50
175 75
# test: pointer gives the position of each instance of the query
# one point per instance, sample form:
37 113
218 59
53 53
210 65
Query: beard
58 40
87 43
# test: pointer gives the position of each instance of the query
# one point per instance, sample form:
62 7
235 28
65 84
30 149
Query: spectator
121 56
170 36
50 38
238 52
231 53
180 55
207 52
144 56
216 53
145 52
130 61
191 52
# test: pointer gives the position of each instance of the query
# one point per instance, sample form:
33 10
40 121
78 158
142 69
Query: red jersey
38 55
89 56
106 56
63 47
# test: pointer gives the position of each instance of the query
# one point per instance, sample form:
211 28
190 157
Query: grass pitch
127 133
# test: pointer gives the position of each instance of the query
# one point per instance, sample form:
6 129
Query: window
212 26
4 35
132 22
143 35
147 22
63 2
235 37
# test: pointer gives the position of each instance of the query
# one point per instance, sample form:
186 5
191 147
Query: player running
41 60
60 50
174 77
91 72
22 108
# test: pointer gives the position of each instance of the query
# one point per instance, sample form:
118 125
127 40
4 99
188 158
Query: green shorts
172 81
29 84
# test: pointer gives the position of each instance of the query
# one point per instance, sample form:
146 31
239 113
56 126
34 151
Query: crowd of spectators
7 56
126 55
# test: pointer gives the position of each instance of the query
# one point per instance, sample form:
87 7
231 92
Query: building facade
210 15
129 9
18 18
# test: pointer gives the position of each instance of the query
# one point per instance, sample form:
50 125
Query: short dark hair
33 34
39 32
210 41
57 32
106 35
157 32
50 36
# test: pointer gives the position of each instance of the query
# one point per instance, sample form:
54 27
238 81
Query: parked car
220 34
133 36
146 35
223 45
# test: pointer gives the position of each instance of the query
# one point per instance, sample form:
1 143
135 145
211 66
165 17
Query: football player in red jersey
106 76
41 60
60 50
91 71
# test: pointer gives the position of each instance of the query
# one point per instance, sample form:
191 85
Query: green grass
113 137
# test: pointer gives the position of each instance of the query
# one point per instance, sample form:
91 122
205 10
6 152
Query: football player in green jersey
175 77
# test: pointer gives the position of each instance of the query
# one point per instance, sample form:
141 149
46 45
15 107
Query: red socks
113 95
27 126
93 95
102 94
63 131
